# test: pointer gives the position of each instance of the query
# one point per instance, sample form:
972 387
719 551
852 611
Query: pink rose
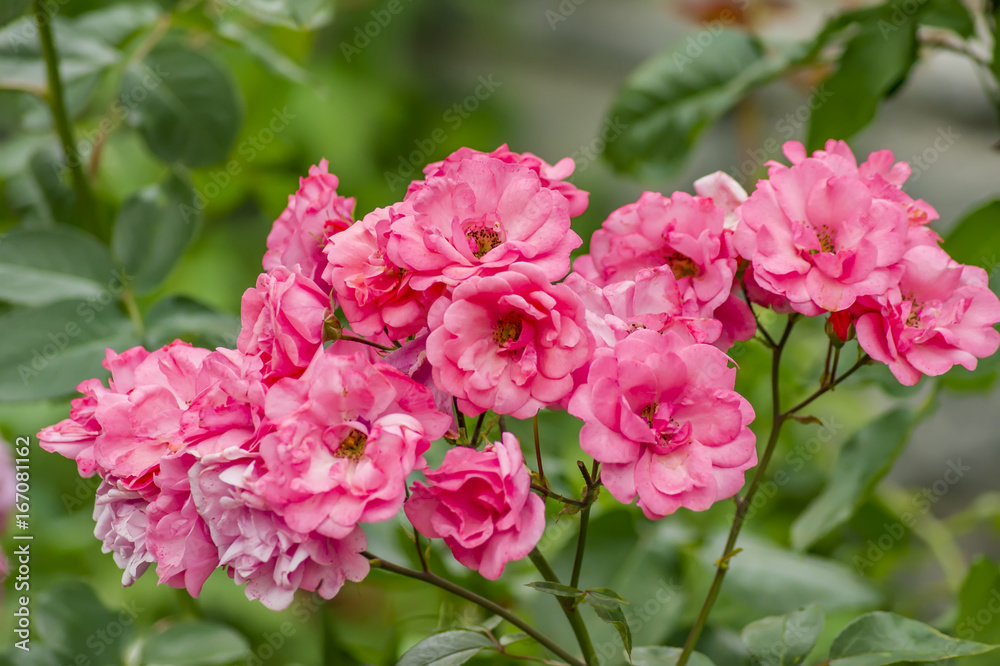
508 342
942 314
314 213
725 193
74 437
481 504
346 435
120 524
283 321
662 417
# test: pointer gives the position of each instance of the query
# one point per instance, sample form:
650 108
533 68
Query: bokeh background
540 76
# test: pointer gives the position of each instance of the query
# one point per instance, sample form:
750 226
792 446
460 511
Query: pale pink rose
314 213
176 535
942 314
481 504
551 176
725 193
374 293
816 234
120 524
485 215
661 415
508 342
283 322
346 435
683 232
257 547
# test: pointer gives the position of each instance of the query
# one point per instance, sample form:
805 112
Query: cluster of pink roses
269 459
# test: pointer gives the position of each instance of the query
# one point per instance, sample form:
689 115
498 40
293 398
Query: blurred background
384 88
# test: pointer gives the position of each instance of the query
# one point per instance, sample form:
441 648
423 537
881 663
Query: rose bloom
282 321
314 213
482 216
661 415
823 233
120 524
481 504
942 314
508 342
346 434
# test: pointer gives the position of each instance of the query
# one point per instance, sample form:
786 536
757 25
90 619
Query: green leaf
783 640
602 596
198 643
557 589
880 639
875 62
449 648
45 352
616 618
68 617
862 463
979 600
296 14
192 112
975 238
152 230
670 100
45 266
41 195
176 317
116 23
510 639
22 66
666 656
11 9
950 14
273 59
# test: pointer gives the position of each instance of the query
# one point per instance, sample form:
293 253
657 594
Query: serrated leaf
783 640
616 618
196 643
556 589
671 99
863 461
881 638
449 648
38 267
656 655
192 111
152 230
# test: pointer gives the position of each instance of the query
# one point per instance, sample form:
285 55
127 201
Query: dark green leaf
44 266
116 23
41 195
450 648
557 589
666 656
45 352
181 317
11 9
979 600
616 618
297 14
875 62
880 639
199 643
23 68
192 111
783 640
975 239
862 463
69 614
602 596
671 99
152 230
950 14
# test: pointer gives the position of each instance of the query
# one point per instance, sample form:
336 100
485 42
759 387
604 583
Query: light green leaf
863 461
23 68
616 618
176 317
269 56
45 266
116 23
11 9
557 589
46 351
880 639
671 99
783 640
192 111
296 14
666 656
602 596
152 230
979 600
510 639
449 648
197 643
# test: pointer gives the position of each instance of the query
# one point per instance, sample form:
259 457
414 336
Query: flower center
508 329
681 265
648 411
482 241
353 446
825 237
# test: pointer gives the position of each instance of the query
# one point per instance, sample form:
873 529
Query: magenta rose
481 504
661 415
508 342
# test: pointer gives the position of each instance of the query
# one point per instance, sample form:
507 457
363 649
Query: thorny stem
575 619
538 453
546 492
483 602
